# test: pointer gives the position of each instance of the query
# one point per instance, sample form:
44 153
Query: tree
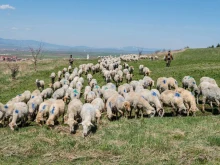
213 46
218 45
14 69
36 54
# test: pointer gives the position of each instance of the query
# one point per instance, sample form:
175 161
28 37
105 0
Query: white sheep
53 76
90 97
33 105
146 71
89 77
129 77
59 75
40 84
57 109
47 93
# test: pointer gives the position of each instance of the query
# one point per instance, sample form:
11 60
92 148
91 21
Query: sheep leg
203 104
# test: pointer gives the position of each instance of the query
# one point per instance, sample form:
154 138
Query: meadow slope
168 140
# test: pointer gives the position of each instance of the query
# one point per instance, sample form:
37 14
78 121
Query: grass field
168 140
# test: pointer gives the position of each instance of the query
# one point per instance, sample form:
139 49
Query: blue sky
113 23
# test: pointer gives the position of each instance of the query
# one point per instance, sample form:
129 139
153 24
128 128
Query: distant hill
24 44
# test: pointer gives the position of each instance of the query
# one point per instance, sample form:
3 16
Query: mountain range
25 44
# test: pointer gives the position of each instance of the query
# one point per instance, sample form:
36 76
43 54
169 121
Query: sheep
148 82
59 93
139 103
93 82
67 94
134 83
208 79
146 71
69 68
90 97
189 82
46 93
57 109
20 113
75 94
67 75
64 81
87 90
80 72
79 85
73 114
122 89
172 83
81 79
120 73
116 103
73 83
24 97
89 77
154 101
189 100
99 107
33 105
108 93
111 86
64 71
56 85
40 84
173 99
210 92
52 76
88 115
35 93
117 79
131 69
129 77
125 71
97 91
43 112
162 84
59 75
156 91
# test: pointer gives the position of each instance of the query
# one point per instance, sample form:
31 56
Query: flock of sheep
45 106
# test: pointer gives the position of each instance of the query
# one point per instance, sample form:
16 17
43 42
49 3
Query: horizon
160 24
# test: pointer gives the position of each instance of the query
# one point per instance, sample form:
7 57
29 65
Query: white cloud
3 7
14 28
28 29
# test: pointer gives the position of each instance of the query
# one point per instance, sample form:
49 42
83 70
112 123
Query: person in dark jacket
71 60
168 58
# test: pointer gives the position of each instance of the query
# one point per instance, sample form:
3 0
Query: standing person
71 60
168 58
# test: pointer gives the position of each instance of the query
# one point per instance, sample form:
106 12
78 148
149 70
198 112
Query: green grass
168 140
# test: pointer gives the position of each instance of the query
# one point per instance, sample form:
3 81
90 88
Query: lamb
89 77
173 99
189 82
87 90
43 112
52 76
139 103
116 103
59 75
146 71
55 86
129 77
46 93
33 105
40 84
189 100
90 97
73 114
154 101
141 67
88 115
20 113
99 107
57 109
162 84
172 83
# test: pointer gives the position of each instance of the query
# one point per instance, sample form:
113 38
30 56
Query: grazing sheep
40 84
64 82
73 114
97 91
24 97
89 78
57 109
81 79
43 111
59 93
93 82
46 93
125 72
35 93
139 103
55 86
33 105
129 77
189 82
73 83
108 93
162 84
148 82
189 100
111 86
79 86
75 94
88 115
116 103
64 71
117 79
52 76
70 69
99 107
173 99
141 67
59 75
208 79
90 97
172 83
131 69
146 71
20 113
67 75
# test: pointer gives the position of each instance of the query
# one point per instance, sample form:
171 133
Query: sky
169 24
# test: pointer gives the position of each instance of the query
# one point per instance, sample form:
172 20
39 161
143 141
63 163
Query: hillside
168 140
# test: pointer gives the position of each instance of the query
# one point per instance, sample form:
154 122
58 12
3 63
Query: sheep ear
91 124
